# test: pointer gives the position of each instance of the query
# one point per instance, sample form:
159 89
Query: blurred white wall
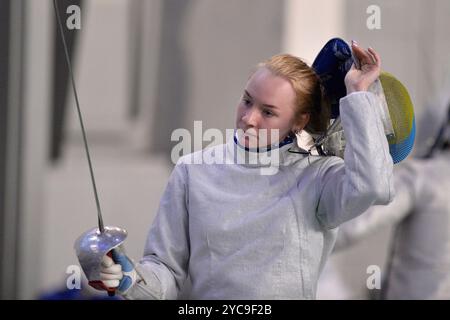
222 41
308 25
129 182
36 97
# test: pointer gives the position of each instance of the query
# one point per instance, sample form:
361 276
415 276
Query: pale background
195 58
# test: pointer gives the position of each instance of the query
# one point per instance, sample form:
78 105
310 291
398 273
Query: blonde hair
308 89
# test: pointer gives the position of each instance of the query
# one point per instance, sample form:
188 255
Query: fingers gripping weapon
90 248
95 243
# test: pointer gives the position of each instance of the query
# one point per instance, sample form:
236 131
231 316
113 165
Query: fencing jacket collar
279 154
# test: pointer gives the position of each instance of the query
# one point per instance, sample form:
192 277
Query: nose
251 117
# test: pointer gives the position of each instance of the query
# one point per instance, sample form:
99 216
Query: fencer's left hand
359 79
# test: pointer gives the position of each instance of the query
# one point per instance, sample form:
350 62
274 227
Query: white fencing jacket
240 233
420 256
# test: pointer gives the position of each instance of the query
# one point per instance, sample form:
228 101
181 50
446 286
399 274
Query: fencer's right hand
110 272
118 272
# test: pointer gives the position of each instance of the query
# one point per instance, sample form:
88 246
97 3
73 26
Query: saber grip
99 285
111 291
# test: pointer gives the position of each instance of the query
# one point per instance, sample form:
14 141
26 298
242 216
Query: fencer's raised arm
365 178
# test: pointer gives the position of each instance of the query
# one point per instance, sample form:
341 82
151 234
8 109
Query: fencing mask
332 64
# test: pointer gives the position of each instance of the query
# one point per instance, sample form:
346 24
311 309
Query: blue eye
268 113
246 101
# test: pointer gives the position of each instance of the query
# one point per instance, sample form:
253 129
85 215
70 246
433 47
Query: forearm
368 163
365 179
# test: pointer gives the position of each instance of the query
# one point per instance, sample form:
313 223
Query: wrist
355 88
128 280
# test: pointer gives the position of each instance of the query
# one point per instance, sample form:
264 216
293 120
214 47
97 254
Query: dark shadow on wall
135 41
4 63
12 52
172 88
61 78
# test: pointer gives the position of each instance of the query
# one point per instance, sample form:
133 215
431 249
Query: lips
251 133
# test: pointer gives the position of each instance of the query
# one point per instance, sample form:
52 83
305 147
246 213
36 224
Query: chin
251 142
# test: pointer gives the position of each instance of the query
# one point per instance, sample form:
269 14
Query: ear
302 122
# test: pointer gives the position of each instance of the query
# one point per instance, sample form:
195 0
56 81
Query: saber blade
69 66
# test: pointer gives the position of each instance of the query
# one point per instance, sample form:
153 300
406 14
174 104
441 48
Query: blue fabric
73 294
331 65
401 150
120 258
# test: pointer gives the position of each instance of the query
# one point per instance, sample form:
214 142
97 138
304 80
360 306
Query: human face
267 103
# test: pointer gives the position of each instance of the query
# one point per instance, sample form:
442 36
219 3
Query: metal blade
69 66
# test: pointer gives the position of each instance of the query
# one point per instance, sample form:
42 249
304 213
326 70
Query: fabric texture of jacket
263 228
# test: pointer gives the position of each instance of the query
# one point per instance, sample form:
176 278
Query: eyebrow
265 105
